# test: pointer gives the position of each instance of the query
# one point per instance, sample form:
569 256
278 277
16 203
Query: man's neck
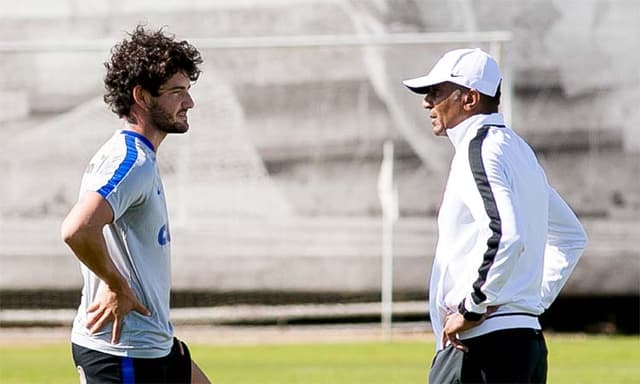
154 136
458 133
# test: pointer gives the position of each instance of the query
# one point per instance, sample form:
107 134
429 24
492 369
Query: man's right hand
113 305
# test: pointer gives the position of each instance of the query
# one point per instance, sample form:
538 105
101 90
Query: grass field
575 359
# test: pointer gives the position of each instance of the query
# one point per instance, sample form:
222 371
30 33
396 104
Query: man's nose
189 103
426 104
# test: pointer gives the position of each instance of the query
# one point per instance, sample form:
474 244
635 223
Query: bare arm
82 231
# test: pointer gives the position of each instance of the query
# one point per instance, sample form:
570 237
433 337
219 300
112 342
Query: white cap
471 68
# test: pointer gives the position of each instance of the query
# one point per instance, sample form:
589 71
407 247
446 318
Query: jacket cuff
467 313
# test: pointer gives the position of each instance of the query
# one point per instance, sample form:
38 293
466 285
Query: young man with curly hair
119 228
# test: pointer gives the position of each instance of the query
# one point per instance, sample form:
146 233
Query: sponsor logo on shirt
164 237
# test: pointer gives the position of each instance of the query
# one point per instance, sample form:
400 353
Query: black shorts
506 356
98 367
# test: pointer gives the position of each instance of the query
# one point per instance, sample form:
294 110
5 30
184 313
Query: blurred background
273 193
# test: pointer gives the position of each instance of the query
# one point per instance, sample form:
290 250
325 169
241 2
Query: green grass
370 363
578 359
594 359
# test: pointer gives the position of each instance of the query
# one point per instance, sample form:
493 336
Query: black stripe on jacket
490 206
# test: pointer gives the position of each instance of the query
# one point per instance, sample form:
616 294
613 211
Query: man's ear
141 97
471 100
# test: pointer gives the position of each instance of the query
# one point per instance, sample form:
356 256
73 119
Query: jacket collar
470 126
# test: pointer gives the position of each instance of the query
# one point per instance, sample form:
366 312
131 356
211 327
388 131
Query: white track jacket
505 237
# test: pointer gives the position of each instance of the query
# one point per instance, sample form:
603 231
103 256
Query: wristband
468 315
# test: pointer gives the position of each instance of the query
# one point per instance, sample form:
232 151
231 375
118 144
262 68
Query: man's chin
439 132
177 128
182 129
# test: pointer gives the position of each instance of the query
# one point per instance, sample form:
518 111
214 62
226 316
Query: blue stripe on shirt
141 137
124 167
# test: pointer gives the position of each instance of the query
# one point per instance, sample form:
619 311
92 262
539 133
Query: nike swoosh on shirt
456 75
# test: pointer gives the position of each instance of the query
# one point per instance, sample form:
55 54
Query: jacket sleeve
566 240
496 210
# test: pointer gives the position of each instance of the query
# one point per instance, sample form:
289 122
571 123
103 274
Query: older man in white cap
507 242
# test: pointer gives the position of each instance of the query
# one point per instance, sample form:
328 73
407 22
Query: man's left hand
455 323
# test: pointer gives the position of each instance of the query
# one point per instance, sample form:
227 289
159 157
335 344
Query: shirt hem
502 322
124 351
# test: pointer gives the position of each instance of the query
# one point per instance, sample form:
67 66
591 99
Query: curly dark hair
147 59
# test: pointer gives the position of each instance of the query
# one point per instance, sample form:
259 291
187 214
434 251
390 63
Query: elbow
582 239
70 233
78 235
67 234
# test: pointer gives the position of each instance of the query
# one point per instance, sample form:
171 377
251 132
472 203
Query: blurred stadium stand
273 191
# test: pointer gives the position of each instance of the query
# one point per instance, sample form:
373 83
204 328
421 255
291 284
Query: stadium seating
274 187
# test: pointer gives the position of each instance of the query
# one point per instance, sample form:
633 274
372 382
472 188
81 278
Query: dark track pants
506 356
